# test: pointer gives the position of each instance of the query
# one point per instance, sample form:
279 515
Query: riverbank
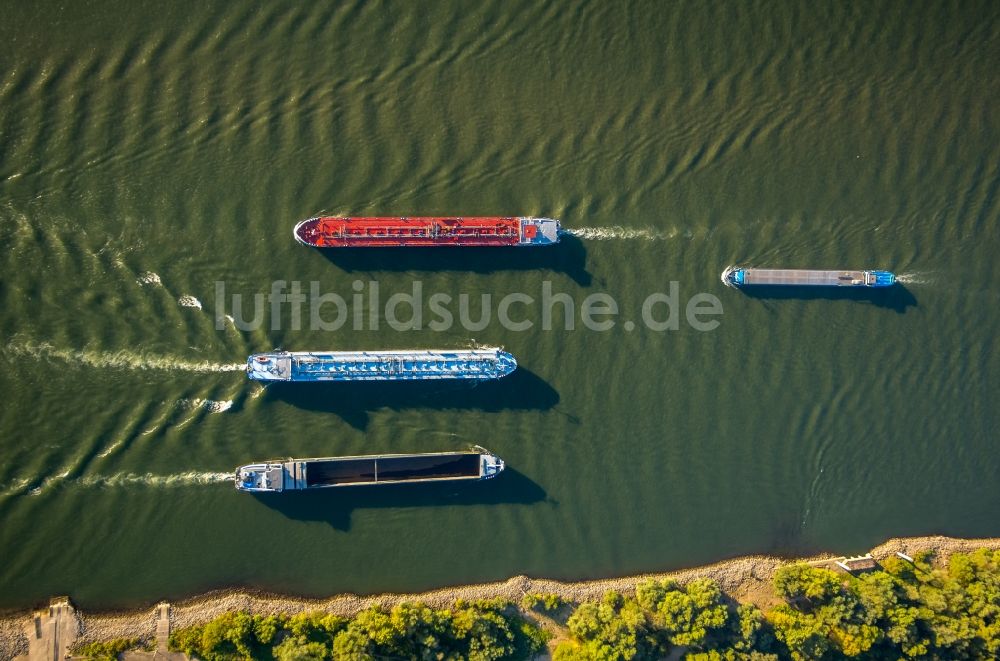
747 579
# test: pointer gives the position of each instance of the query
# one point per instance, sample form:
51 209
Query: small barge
427 231
408 365
736 276
304 474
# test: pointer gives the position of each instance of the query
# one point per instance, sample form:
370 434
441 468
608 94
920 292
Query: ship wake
619 232
915 278
210 405
116 480
122 360
188 478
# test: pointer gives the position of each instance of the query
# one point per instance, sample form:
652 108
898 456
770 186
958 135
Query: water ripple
126 360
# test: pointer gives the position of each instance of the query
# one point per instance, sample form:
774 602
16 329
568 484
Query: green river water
150 150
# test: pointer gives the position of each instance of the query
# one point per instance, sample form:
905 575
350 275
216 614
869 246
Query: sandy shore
746 578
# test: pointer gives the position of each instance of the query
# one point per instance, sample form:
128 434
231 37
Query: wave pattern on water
917 278
188 301
149 278
613 232
152 152
187 478
150 479
127 360
210 405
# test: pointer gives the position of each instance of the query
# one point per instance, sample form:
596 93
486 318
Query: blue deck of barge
476 364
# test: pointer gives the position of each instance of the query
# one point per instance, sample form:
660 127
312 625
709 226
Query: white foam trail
150 479
612 232
190 478
107 452
118 360
915 278
209 405
188 301
16 487
149 278
47 482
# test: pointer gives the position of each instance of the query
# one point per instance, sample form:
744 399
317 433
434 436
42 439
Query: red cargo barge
391 232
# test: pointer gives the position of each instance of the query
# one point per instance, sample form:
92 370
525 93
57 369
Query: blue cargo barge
415 365
736 276
299 474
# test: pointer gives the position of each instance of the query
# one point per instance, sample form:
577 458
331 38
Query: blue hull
747 277
305 366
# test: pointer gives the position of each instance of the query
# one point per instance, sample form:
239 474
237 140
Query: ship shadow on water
353 402
335 505
569 256
897 298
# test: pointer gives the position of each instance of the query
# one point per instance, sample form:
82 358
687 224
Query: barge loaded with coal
426 231
407 365
736 276
306 474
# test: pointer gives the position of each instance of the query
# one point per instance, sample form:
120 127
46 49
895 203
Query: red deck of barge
329 231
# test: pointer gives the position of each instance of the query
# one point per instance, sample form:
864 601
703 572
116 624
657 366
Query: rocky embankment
747 579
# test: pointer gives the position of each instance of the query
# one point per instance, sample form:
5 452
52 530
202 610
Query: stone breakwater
746 578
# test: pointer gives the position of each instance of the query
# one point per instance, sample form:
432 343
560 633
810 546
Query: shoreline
745 578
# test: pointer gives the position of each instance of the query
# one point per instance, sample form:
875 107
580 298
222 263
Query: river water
154 158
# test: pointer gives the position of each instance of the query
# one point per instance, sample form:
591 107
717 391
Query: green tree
107 650
229 636
299 648
353 644
803 634
751 632
904 611
541 601
613 629
685 616
186 640
798 582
